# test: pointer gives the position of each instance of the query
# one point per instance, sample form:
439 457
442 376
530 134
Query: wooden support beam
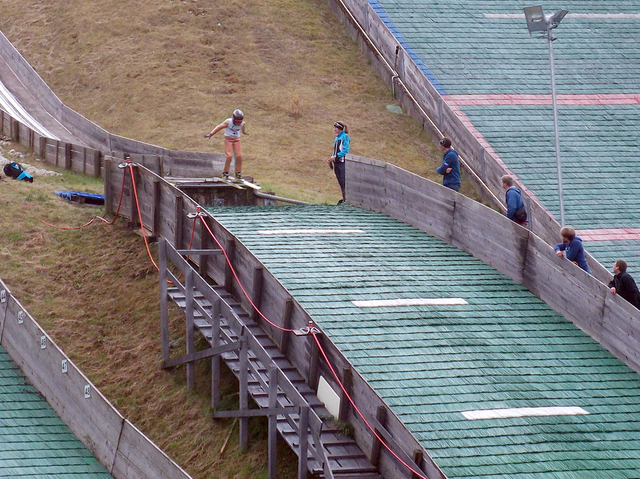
203 354
269 412
417 458
303 434
67 156
178 215
164 298
376 446
347 380
244 391
157 206
42 147
256 294
215 360
133 210
381 430
204 244
200 252
273 423
314 364
15 130
57 152
190 328
228 275
95 161
287 313
108 195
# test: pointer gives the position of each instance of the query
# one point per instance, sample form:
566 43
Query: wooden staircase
328 453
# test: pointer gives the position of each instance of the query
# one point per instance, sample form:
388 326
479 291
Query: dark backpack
521 214
12 170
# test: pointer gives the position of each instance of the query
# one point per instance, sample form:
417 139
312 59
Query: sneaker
238 175
340 202
225 175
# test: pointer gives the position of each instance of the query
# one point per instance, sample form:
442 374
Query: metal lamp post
537 21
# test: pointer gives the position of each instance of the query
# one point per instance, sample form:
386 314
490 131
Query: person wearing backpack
515 205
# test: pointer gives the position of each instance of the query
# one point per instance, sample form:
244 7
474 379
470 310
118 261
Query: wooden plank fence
116 443
173 208
422 101
511 249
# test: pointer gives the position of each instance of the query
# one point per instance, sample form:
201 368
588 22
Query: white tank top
232 129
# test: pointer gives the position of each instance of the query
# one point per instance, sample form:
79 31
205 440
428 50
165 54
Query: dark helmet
238 115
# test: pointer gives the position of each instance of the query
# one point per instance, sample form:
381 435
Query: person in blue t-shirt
572 246
450 167
341 145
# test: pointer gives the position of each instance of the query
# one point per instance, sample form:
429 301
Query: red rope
144 236
67 228
344 390
235 275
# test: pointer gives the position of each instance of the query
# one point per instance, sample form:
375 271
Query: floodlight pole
554 101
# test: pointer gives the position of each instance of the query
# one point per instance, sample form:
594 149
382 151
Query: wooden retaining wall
116 443
164 210
359 16
174 163
513 250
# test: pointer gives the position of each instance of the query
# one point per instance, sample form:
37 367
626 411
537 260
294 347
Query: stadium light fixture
538 22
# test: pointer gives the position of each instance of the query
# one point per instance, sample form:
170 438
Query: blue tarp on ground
80 197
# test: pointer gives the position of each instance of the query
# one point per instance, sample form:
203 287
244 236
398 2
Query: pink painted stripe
612 234
513 99
487 147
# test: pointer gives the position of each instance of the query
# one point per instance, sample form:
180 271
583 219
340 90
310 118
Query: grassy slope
96 292
167 71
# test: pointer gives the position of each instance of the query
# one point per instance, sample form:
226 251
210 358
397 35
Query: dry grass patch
96 292
167 71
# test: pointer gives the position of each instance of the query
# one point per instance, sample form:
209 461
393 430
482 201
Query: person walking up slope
515 205
232 128
450 167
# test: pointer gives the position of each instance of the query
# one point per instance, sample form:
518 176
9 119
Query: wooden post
84 160
164 299
15 130
286 324
178 212
314 364
42 148
228 275
95 161
303 435
215 360
244 390
257 292
203 266
57 152
347 380
157 206
417 458
273 422
108 187
190 333
67 156
376 446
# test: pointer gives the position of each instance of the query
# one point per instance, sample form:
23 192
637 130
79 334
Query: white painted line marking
588 16
523 412
12 106
304 231
377 303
